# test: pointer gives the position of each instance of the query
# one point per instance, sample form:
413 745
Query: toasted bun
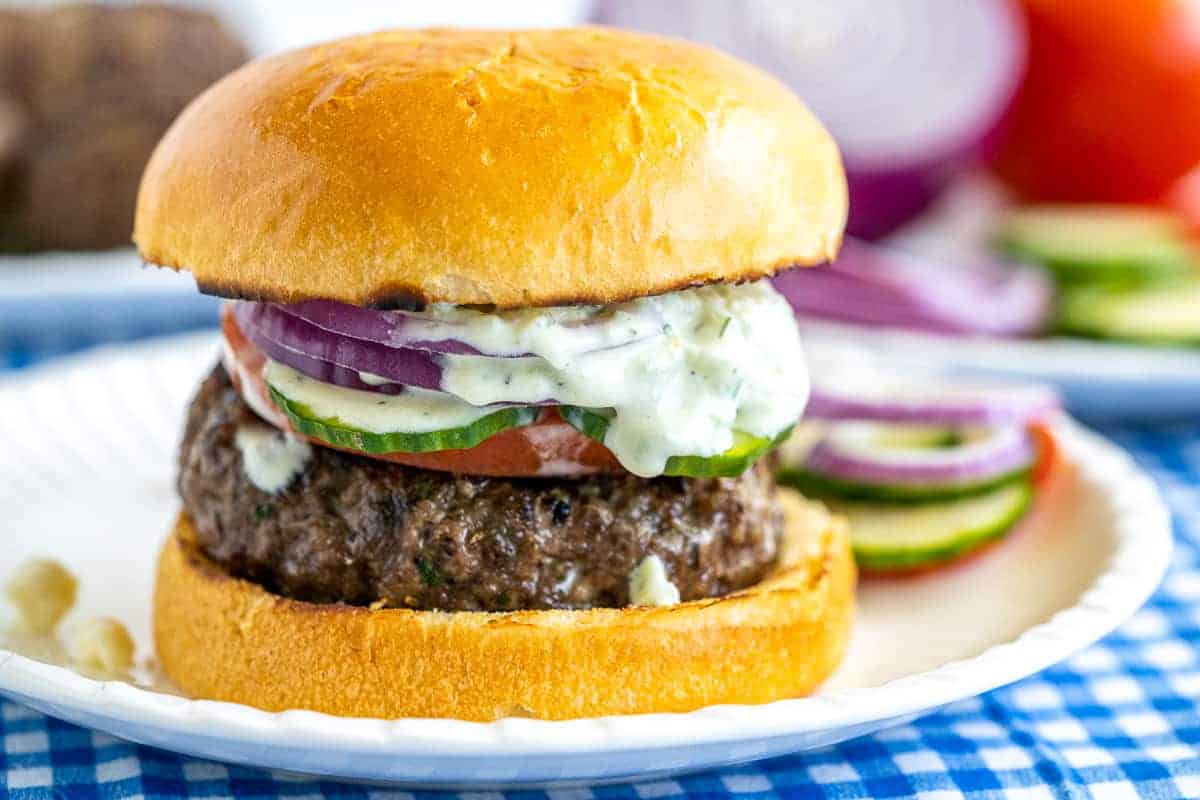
516 168
223 638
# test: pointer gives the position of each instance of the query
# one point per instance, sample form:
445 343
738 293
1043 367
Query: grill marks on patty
354 530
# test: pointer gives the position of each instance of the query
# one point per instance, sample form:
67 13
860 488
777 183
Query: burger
501 374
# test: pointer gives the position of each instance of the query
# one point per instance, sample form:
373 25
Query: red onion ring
319 370
381 327
306 347
1004 451
397 329
930 403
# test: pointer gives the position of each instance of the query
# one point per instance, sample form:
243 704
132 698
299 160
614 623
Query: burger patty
350 529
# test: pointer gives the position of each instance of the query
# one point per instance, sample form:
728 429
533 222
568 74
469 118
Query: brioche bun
223 638
519 168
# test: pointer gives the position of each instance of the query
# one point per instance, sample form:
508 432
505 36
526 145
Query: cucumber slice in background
902 537
333 431
746 449
1168 314
1124 245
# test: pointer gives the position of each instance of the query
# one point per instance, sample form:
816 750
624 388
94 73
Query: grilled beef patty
350 529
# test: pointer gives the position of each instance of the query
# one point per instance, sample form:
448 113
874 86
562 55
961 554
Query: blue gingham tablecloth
1119 720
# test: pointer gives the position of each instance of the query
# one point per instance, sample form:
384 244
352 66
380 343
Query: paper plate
86 476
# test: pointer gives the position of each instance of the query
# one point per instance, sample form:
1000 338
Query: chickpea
42 591
104 645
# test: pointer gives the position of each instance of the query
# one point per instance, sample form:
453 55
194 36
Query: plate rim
1140 519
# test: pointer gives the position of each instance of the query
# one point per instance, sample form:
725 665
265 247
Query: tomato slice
550 447
1049 453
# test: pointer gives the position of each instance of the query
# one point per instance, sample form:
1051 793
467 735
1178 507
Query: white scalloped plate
86 470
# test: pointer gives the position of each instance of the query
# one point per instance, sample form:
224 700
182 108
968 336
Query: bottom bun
223 638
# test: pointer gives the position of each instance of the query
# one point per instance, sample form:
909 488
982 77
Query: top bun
511 168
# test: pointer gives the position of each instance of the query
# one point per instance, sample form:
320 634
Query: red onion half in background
914 91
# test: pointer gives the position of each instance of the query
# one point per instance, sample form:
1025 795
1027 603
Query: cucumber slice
333 431
1098 244
1159 315
733 462
891 537
824 487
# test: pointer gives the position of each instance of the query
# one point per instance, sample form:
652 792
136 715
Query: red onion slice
426 332
851 451
887 287
846 395
912 90
317 369
370 325
301 344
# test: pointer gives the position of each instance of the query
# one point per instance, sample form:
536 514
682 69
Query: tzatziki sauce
650 586
724 358
271 459
676 374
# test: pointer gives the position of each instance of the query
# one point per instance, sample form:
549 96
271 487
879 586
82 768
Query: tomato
550 446
1110 106
1048 453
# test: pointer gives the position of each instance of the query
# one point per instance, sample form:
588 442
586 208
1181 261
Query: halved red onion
914 91
851 451
305 347
927 401
887 287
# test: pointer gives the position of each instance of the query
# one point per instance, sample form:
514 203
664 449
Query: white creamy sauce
650 586
371 379
414 410
680 371
271 459
567 582
245 383
677 373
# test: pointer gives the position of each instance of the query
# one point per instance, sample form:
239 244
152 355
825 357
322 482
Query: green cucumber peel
1163 315
905 537
822 487
332 431
1097 245
746 449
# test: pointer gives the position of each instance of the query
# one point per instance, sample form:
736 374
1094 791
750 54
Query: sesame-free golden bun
222 638
510 168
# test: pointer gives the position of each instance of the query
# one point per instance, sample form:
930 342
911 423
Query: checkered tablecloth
1119 720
